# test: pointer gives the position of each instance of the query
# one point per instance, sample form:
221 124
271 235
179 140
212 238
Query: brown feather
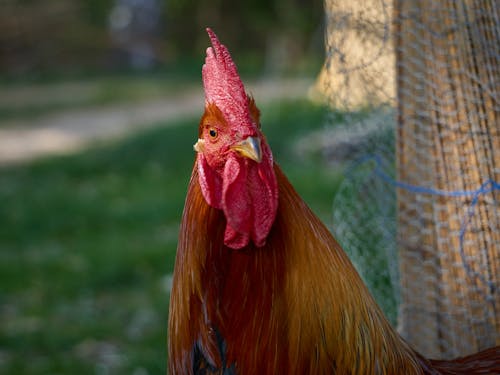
295 305
482 363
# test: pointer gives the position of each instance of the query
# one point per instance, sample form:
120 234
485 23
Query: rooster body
260 285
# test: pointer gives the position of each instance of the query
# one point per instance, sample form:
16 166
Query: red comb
223 86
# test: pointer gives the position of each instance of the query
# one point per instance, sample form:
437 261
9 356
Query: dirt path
71 130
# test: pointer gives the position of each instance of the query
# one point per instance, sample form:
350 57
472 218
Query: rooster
260 285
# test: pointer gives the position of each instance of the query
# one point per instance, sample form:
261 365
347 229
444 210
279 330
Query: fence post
448 139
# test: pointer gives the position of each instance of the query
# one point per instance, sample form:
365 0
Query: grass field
87 245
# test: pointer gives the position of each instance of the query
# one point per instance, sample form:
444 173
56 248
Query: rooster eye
213 133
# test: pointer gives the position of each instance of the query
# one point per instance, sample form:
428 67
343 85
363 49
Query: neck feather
298 296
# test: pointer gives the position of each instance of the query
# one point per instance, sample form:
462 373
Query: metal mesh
418 209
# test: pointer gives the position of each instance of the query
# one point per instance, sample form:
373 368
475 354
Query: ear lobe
210 182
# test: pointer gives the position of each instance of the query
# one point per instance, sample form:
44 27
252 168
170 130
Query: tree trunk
448 142
359 68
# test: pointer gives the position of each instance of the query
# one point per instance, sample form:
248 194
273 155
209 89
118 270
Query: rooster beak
199 146
249 148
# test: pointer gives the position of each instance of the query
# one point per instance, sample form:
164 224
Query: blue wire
487 187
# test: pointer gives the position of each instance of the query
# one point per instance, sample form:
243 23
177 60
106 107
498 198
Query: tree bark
359 68
448 140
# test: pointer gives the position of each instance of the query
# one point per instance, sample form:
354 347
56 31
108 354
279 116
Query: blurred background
99 108
62 38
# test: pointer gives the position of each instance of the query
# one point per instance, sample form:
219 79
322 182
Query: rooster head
234 161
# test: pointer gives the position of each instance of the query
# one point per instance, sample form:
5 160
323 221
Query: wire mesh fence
418 210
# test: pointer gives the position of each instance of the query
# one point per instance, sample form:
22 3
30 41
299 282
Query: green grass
87 243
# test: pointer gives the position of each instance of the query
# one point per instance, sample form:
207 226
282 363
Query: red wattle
247 192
